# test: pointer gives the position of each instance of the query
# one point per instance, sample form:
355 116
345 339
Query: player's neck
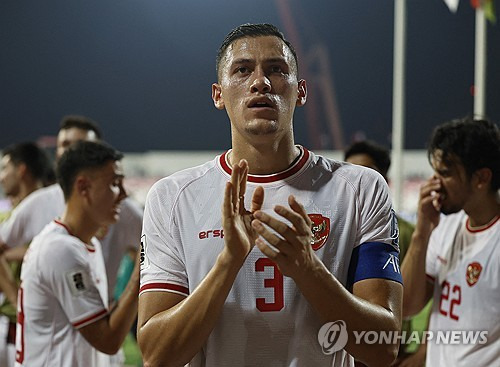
482 213
265 159
78 224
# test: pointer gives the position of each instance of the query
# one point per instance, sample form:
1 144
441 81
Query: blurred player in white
209 296
63 312
455 259
24 168
44 205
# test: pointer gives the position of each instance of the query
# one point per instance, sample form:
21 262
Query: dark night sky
143 69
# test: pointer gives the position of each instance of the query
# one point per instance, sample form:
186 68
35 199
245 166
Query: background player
24 168
207 293
40 208
63 311
458 253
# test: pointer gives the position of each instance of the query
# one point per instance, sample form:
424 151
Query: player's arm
15 253
374 305
418 288
108 333
8 285
173 328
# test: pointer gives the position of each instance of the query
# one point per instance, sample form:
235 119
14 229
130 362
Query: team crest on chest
320 230
473 273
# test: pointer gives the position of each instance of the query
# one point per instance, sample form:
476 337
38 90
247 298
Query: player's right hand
429 205
239 235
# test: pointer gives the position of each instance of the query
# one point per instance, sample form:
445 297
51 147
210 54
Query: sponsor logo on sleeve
144 257
394 228
78 282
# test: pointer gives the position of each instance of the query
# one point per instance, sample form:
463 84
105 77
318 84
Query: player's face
107 192
456 187
67 137
9 176
258 86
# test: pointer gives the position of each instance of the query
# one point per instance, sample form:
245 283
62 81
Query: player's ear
302 95
22 169
82 185
217 96
482 178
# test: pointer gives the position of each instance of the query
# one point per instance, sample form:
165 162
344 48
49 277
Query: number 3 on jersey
276 283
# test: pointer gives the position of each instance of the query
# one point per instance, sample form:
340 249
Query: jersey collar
294 168
89 247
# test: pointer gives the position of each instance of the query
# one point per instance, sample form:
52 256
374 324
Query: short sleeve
162 262
68 274
31 216
375 255
15 231
378 221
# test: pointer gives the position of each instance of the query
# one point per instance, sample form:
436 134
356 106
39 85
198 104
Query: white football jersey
63 288
465 266
47 204
265 320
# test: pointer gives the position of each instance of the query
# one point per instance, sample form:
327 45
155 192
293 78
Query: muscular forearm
414 277
173 337
332 302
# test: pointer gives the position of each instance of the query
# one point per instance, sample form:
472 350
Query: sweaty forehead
258 48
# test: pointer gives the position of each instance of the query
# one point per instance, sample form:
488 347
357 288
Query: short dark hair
381 155
35 158
476 143
252 30
80 156
80 122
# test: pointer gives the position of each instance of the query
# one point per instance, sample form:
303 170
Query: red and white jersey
46 204
465 266
265 320
63 288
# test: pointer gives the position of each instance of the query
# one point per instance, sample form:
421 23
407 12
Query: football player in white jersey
213 292
63 313
24 168
455 259
44 205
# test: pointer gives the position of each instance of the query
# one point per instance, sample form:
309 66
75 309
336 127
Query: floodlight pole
480 65
398 101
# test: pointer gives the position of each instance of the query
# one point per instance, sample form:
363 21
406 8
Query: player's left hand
295 255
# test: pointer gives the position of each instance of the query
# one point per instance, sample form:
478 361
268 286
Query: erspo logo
332 336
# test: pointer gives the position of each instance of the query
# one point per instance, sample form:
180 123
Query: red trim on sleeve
90 319
164 287
273 177
430 278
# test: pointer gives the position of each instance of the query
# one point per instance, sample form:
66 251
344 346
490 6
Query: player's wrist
228 260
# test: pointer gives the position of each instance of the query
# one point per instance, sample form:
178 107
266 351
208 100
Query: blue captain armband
374 260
